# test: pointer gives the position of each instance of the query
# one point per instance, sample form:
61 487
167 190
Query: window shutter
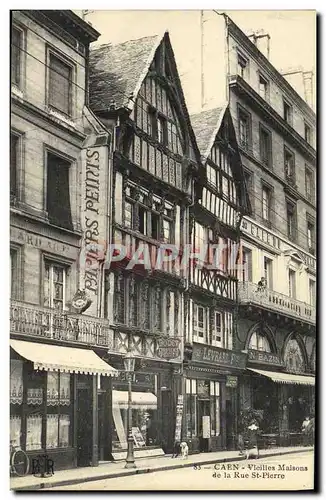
59 85
58 196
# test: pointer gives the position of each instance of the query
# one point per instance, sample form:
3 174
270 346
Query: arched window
293 357
259 342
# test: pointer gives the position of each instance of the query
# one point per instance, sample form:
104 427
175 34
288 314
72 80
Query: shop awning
140 400
286 378
66 359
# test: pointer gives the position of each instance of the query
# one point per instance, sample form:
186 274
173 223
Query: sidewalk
144 465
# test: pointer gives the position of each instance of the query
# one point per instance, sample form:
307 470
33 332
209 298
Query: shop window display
144 420
48 413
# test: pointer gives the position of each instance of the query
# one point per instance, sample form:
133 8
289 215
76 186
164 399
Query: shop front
152 407
211 379
53 402
281 391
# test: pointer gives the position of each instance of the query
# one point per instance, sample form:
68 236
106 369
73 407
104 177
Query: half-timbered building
135 89
213 363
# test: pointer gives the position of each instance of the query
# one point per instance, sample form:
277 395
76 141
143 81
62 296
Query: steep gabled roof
117 71
206 125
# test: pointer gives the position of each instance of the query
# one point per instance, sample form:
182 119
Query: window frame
263 131
287 109
290 177
196 329
48 151
243 113
312 292
292 283
309 174
269 190
17 250
21 66
66 265
291 204
311 226
307 128
261 79
241 58
268 271
52 52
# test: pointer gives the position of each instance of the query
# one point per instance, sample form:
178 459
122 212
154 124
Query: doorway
167 428
84 427
203 411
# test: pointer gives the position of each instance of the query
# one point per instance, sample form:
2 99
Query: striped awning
66 359
286 378
140 400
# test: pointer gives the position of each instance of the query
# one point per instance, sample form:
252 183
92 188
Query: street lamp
129 363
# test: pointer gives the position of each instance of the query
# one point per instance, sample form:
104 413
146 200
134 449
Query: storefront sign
178 420
206 422
231 381
43 243
138 437
93 220
261 234
264 357
218 356
168 348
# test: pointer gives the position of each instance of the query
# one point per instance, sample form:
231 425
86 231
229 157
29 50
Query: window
265 147
259 342
16 44
309 184
242 66
211 175
266 203
248 180
200 326
244 129
217 329
152 217
312 293
60 85
46 426
214 392
119 299
58 195
14 152
55 286
311 236
58 418
289 166
200 239
268 272
191 408
291 283
246 265
287 112
291 220
307 133
161 125
263 87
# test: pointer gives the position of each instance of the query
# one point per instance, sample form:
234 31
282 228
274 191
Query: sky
288 48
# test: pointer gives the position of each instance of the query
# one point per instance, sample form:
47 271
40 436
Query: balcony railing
250 293
42 322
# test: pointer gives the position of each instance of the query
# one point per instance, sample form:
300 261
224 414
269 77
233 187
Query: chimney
262 41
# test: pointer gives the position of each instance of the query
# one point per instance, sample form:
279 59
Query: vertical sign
93 221
206 421
178 420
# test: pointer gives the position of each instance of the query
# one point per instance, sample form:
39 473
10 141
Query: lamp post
129 363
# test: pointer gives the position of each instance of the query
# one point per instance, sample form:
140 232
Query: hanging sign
231 381
168 348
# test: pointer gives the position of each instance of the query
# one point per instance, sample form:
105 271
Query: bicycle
19 461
